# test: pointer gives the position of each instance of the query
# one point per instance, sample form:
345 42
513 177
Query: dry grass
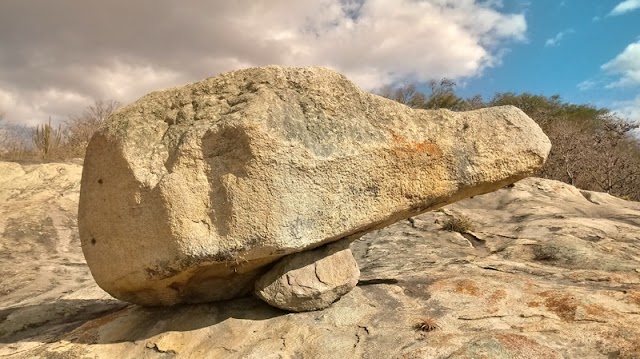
460 224
426 324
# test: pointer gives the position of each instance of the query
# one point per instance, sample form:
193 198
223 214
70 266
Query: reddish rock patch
564 305
497 296
467 286
634 297
524 347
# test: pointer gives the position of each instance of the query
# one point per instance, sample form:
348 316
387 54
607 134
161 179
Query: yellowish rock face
545 265
189 192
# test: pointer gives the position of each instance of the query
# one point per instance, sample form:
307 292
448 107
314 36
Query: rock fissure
154 347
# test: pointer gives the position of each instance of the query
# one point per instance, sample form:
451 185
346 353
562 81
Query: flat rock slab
489 294
310 280
188 193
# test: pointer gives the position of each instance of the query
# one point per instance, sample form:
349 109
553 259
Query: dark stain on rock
374 190
416 287
564 305
227 151
374 281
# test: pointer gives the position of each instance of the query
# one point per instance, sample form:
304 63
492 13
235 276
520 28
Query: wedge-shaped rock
310 280
189 192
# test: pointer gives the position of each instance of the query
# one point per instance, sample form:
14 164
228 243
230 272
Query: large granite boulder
190 193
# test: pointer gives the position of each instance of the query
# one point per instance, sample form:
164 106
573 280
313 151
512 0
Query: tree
441 95
14 140
80 128
618 158
3 133
564 161
407 94
473 103
591 148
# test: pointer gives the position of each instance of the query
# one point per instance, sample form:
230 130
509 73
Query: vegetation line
592 148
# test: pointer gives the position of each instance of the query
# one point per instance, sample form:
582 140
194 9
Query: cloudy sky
56 57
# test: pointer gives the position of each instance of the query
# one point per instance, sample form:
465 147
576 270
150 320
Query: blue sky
57 57
569 64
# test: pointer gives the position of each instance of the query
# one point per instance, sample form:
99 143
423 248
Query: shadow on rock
47 321
113 321
135 323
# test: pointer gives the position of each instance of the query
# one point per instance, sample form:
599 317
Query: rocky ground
547 271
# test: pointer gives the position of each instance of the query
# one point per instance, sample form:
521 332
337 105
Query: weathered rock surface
496 291
188 193
38 210
43 273
310 280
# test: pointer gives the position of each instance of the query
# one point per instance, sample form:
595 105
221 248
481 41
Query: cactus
46 138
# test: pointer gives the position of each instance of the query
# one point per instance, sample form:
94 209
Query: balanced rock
188 193
310 280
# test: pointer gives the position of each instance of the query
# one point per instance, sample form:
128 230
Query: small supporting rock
310 280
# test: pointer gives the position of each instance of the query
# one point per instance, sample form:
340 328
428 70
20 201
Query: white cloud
35 107
586 85
555 41
123 80
99 51
624 7
629 110
626 65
